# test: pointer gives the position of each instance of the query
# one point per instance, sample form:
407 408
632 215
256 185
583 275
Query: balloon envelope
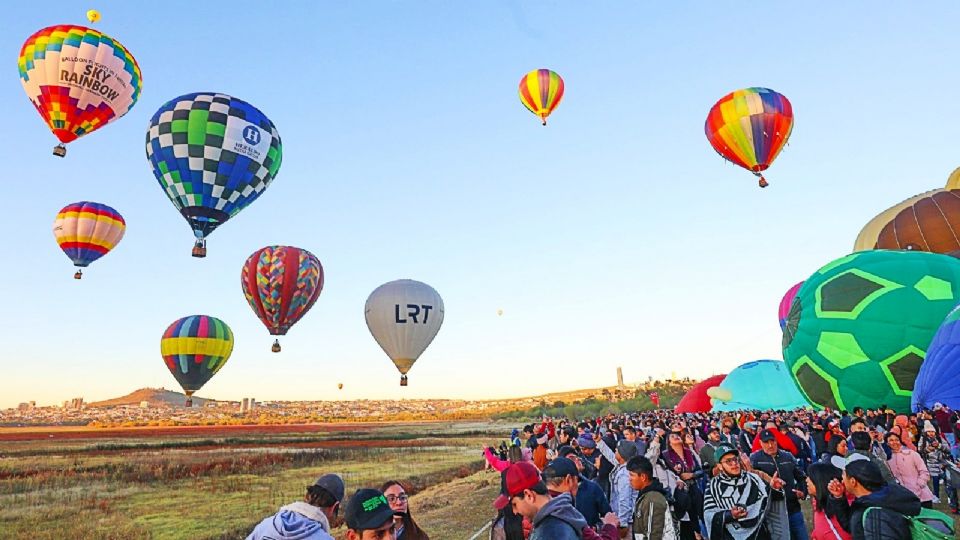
78 78
87 231
761 384
541 91
281 283
939 378
213 155
785 303
93 15
860 326
696 399
404 316
194 349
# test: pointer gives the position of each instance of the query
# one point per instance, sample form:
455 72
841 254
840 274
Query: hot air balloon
194 349
761 384
281 283
696 399
79 79
499 313
87 231
926 222
785 304
749 127
213 155
541 91
340 386
939 378
860 326
404 316
93 16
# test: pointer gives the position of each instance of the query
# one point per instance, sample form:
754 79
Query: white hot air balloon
404 316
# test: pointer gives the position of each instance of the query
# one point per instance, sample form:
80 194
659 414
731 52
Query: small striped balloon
194 349
87 231
541 91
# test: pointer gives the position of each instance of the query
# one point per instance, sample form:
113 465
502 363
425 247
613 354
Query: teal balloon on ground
859 328
761 384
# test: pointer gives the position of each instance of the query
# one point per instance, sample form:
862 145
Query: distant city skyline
614 236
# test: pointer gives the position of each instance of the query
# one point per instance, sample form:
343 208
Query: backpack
927 525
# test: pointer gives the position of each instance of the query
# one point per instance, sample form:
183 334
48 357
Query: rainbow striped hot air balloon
749 127
194 349
541 91
86 231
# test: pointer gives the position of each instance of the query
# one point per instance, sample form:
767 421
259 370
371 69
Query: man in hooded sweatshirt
652 515
308 519
879 510
553 518
736 500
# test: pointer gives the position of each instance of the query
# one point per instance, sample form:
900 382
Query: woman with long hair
407 528
836 446
508 526
826 526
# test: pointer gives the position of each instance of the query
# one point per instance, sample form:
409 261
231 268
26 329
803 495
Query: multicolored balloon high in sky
79 79
540 92
750 127
213 155
925 222
785 304
760 384
86 231
281 284
93 16
404 316
939 378
859 327
194 349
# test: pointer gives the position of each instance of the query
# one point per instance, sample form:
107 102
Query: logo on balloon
252 135
414 311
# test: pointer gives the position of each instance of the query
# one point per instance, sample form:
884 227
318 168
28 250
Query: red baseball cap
514 479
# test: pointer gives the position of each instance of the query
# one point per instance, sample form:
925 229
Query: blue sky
613 237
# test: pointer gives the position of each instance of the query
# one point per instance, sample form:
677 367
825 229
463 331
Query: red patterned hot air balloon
281 283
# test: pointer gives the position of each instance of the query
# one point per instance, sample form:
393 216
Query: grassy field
197 486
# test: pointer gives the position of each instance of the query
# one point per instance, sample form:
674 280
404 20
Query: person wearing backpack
879 511
652 514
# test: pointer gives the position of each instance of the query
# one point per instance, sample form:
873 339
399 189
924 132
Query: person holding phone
736 500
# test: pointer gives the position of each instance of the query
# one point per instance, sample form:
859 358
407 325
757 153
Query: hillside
154 396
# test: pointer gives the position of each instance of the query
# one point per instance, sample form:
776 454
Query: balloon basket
276 346
78 274
189 403
199 249
763 182
403 380
60 150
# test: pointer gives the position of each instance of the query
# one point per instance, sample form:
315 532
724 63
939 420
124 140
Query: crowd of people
868 474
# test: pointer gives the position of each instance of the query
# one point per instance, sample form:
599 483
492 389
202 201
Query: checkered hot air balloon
86 231
750 127
281 284
194 349
79 79
541 91
213 155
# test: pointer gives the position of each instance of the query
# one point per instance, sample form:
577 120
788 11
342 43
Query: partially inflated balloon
859 327
785 304
939 378
93 16
194 349
79 79
761 384
213 155
281 284
697 399
540 92
719 393
750 127
404 316
87 231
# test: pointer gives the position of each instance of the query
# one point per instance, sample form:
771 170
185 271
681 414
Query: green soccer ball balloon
859 327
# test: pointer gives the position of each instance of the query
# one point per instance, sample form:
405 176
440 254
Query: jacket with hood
652 516
296 521
558 520
886 521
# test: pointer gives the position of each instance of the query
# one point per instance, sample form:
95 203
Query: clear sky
613 237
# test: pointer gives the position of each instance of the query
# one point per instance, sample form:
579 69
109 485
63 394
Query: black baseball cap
767 436
333 484
560 467
367 509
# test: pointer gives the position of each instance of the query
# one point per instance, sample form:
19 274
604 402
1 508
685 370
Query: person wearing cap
736 500
308 519
652 515
369 517
588 455
784 517
862 444
553 518
747 435
909 469
886 505
562 476
622 495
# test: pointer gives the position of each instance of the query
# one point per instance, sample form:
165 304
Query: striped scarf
724 492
